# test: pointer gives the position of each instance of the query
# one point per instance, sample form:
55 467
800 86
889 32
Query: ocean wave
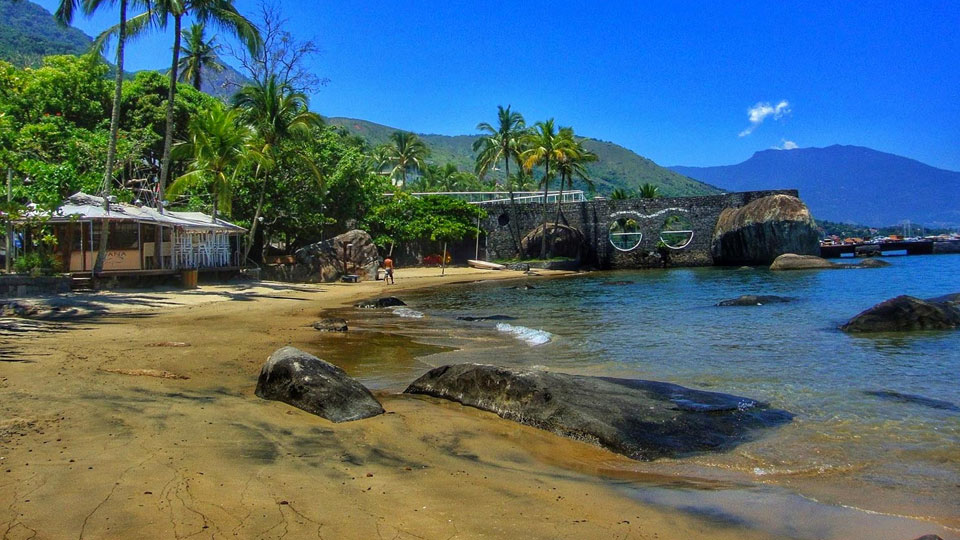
407 313
528 335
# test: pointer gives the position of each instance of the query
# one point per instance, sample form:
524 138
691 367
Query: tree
543 148
649 191
217 149
620 194
64 16
501 143
278 114
572 163
406 151
199 53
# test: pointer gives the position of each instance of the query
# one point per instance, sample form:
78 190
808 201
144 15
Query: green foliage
621 194
28 33
37 263
649 191
404 218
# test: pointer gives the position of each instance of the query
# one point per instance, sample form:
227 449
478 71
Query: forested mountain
28 33
848 184
616 166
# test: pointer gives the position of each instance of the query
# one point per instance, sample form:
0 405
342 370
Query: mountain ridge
847 183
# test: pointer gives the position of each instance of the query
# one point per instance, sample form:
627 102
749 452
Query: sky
693 83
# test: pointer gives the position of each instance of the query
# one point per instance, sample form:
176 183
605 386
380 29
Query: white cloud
761 111
786 145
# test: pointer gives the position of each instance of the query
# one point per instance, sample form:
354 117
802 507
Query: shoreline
106 454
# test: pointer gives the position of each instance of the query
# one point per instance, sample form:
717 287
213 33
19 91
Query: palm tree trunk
256 220
112 146
546 185
198 77
560 199
171 93
512 226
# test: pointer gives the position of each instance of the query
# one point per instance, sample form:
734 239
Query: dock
912 247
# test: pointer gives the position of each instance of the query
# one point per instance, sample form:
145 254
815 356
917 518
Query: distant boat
484 265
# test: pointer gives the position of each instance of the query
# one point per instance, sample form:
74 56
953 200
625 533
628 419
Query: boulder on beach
330 325
906 313
321 388
640 419
562 241
382 302
764 229
352 252
755 300
472 318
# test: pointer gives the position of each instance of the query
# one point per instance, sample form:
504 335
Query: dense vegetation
28 33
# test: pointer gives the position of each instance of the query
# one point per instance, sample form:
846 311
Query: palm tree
198 54
406 151
649 191
572 163
379 159
620 194
501 143
544 148
217 149
278 114
64 16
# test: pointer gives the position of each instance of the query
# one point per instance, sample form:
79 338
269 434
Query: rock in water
307 382
755 300
331 325
764 229
352 252
792 261
383 302
906 313
640 419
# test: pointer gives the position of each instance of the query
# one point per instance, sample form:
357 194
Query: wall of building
594 219
17 286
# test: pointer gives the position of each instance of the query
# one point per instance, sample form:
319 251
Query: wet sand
143 423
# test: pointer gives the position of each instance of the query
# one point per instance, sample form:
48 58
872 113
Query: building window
625 234
677 232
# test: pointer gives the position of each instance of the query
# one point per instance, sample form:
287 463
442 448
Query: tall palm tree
572 163
199 53
217 149
278 114
64 16
501 143
379 159
543 148
649 191
407 151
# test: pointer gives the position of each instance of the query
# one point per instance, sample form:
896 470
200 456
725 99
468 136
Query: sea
874 446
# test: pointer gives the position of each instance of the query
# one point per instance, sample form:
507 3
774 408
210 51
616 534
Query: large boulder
321 388
906 313
562 241
792 261
352 252
755 300
762 230
382 302
640 419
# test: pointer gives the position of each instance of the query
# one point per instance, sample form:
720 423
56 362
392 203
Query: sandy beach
142 422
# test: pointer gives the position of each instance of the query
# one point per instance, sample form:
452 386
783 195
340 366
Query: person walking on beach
388 267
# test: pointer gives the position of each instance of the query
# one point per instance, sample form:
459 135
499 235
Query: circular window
503 220
677 232
625 234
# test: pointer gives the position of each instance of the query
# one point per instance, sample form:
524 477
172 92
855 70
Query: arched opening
625 234
677 232
503 219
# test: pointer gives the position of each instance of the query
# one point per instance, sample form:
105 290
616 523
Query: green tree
218 148
406 151
502 142
620 194
199 53
649 191
572 163
278 114
543 147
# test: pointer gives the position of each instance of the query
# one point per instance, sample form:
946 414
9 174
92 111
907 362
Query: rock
640 419
929 537
869 263
331 325
792 261
946 299
905 313
755 300
869 250
523 287
329 260
486 318
764 229
520 267
562 241
914 399
307 382
382 302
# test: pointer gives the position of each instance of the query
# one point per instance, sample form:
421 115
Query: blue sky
674 82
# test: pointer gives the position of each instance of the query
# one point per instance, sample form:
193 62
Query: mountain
28 33
848 184
616 166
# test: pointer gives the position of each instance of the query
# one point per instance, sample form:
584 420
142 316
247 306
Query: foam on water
528 335
407 313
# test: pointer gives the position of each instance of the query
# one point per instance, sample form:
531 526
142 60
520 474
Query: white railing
491 197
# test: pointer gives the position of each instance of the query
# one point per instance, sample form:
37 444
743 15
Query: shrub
37 264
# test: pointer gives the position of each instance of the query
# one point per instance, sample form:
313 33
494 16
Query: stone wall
594 219
17 286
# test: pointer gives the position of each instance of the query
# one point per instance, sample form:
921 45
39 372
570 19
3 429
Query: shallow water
877 423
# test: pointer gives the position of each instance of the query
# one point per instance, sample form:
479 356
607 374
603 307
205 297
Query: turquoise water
877 422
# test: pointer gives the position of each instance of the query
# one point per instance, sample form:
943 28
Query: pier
912 247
